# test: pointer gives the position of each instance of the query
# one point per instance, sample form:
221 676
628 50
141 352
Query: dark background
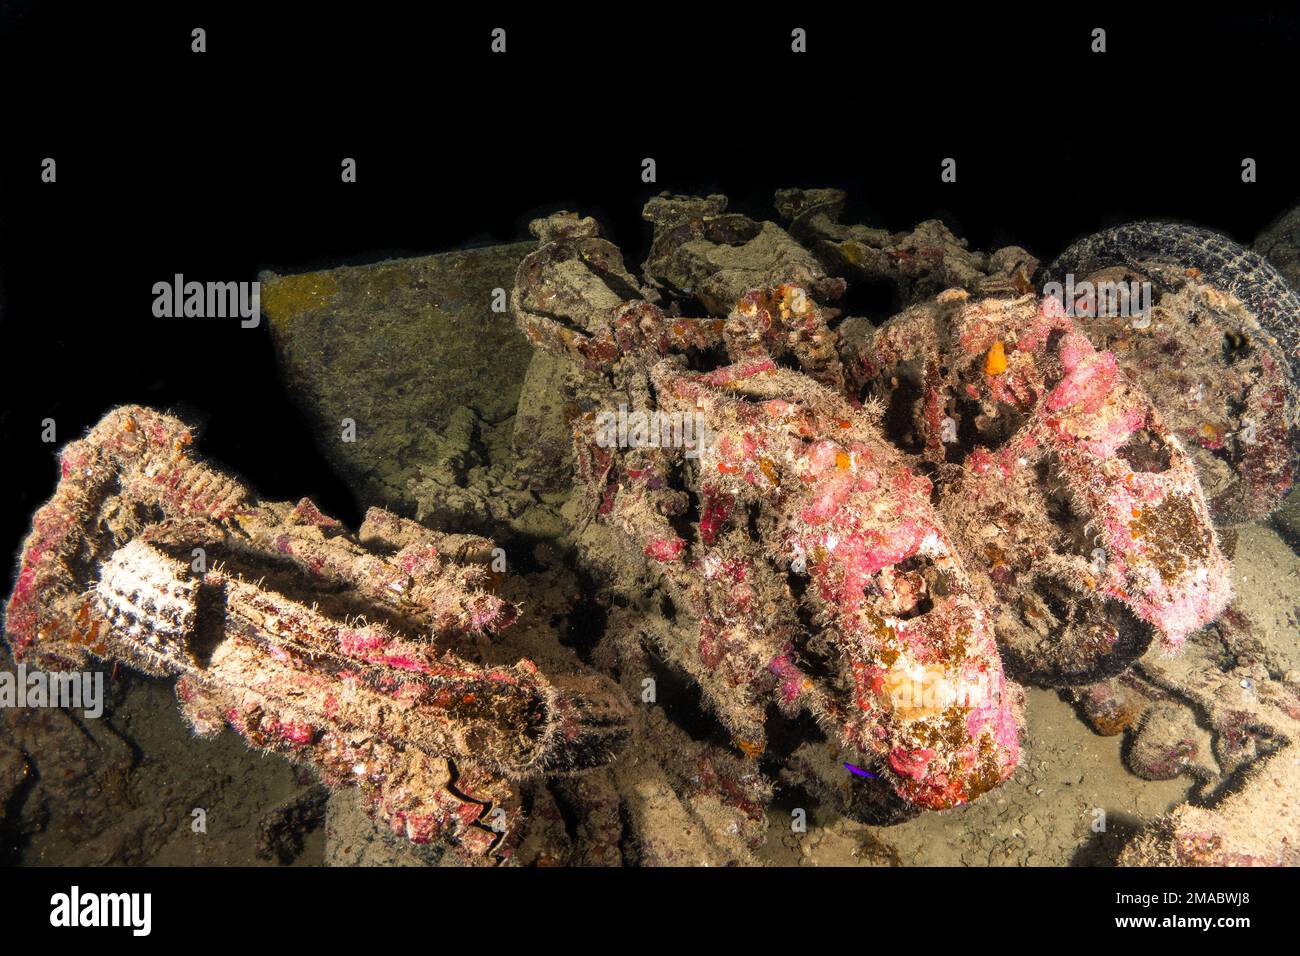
220 164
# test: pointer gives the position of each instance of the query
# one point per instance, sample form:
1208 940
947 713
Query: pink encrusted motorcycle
333 650
816 572
828 567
